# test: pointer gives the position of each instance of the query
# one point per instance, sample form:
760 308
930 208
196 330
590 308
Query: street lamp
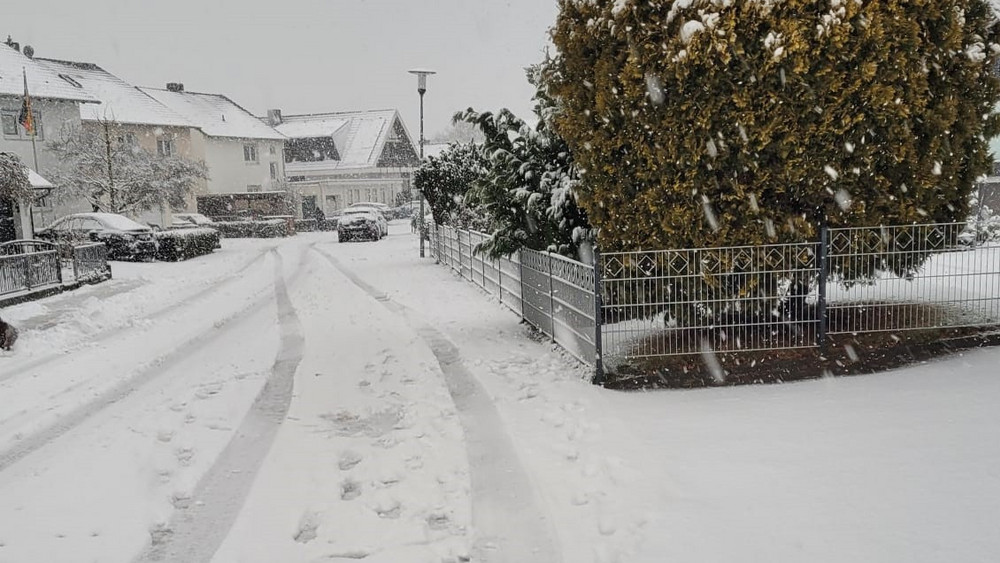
422 75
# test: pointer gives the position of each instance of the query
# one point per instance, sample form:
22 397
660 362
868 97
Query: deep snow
122 397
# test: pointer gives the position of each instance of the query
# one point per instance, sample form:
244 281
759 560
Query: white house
55 103
335 159
242 153
138 117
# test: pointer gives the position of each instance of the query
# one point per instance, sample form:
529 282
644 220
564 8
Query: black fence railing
26 265
31 265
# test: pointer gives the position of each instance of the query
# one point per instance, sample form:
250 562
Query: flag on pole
26 117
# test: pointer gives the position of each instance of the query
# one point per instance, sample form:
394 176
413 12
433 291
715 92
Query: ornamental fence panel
632 305
27 265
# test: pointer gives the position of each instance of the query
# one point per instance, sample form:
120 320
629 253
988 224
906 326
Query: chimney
29 51
175 87
13 44
274 117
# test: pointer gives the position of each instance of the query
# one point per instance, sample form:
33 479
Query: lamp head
422 75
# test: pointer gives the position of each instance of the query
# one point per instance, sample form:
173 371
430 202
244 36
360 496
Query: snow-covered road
305 400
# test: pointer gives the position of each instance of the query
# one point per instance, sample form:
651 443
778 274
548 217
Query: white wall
56 116
230 173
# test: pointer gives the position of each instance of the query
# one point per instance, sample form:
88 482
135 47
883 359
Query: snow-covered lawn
305 400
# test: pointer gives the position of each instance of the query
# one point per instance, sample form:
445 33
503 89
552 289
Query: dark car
358 223
125 239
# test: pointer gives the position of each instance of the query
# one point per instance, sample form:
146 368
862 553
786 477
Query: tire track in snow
122 390
509 522
196 532
214 286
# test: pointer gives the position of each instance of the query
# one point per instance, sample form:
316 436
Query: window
250 152
13 130
253 188
273 150
165 147
9 125
274 170
127 139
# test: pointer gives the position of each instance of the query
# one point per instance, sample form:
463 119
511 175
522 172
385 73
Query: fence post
552 307
27 271
499 263
821 258
598 309
59 273
520 282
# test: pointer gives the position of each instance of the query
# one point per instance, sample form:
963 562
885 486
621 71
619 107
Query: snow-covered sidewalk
306 400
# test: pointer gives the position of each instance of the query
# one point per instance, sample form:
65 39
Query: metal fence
551 292
911 277
90 262
746 298
668 302
28 265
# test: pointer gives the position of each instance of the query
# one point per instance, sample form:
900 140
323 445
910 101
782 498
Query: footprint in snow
180 500
184 455
350 490
348 459
308 525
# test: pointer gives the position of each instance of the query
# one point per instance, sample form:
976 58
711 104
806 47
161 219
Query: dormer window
71 80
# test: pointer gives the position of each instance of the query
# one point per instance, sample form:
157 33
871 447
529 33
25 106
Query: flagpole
34 147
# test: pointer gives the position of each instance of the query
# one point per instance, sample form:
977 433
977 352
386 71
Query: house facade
335 159
137 118
55 105
243 154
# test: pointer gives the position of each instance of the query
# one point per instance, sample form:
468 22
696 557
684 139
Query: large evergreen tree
724 122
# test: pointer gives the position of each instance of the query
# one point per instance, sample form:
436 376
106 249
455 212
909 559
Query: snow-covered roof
120 101
215 114
359 136
42 82
36 180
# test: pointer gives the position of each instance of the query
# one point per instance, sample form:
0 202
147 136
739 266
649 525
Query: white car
190 220
359 223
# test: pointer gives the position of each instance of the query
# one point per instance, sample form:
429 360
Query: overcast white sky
305 56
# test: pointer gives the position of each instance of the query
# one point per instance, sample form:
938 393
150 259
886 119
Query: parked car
360 223
195 221
125 239
384 209
383 220
190 221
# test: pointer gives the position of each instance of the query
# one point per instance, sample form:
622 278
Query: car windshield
119 222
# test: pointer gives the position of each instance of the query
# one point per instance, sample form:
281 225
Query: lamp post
421 89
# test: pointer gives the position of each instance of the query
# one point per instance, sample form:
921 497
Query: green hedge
270 228
182 244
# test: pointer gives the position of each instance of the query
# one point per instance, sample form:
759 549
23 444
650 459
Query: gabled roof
215 114
42 82
120 101
359 136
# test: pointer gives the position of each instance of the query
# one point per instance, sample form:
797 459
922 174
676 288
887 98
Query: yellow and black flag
26 117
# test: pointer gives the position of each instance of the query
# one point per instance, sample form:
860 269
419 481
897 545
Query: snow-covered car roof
111 220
